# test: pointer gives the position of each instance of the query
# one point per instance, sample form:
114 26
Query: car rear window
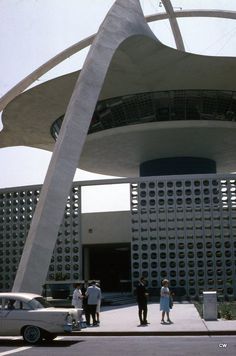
40 303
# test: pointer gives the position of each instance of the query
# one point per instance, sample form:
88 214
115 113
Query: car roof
23 296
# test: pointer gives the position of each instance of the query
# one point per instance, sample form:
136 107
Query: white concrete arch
222 14
44 68
174 25
116 28
60 57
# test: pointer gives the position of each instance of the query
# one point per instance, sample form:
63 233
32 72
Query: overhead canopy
140 65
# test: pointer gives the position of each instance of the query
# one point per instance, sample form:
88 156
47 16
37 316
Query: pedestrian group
88 298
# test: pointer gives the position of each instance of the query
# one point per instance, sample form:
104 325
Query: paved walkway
186 321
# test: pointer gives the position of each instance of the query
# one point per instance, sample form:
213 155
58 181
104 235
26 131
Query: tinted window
39 303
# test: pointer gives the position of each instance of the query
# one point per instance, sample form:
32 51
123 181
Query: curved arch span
60 57
174 25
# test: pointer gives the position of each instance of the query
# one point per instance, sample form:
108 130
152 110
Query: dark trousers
86 313
142 312
92 312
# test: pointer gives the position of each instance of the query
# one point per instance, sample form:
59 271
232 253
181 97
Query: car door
2 317
13 316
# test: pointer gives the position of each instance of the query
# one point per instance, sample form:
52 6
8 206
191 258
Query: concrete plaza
123 320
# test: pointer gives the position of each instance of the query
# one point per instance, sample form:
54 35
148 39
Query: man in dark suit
142 295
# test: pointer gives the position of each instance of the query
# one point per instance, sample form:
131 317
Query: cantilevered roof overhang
139 65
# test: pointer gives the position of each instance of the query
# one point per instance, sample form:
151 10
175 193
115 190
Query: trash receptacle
210 305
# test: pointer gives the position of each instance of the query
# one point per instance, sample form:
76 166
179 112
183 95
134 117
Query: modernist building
180 227
88 246
163 117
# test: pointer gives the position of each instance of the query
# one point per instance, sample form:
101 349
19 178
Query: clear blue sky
33 31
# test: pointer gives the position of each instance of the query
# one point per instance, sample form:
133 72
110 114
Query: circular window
135 256
153 256
144 256
145 265
153 265
152 193
135 247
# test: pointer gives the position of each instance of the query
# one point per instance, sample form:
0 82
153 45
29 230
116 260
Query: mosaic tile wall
16 210
184 229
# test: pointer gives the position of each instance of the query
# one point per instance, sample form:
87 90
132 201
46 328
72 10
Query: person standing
142 296
94 297
165 301
77 299
85 301
98 308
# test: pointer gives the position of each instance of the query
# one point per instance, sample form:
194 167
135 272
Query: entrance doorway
111 264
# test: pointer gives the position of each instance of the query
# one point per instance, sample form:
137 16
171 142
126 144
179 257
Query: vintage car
31 316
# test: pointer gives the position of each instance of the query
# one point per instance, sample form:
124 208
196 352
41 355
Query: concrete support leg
125 19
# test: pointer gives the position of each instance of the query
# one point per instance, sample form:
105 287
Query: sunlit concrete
115 29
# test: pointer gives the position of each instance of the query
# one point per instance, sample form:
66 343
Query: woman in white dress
77 297
77 300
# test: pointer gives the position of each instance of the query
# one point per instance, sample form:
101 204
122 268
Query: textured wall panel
184 229
16 210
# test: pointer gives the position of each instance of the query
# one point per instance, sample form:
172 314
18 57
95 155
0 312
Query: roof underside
140 65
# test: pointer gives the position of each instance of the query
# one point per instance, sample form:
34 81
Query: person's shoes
169 321
163 322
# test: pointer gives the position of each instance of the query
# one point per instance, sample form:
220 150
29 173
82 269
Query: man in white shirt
94 296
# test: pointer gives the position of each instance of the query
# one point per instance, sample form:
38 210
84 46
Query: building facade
179 227
140 109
